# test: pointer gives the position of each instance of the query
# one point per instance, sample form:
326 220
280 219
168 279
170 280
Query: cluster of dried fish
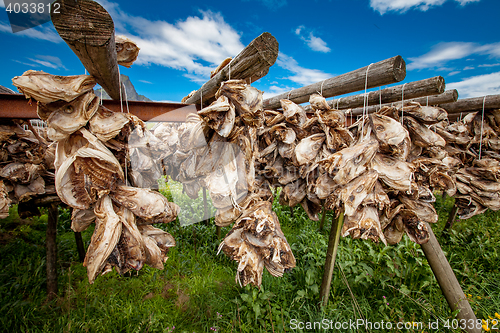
218 149
475 142
384 181
94 149
26 167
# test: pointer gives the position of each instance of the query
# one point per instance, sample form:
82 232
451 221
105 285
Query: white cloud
444 52
314 43
488 65
196 45
47 33
144 81
453 73
44 61
468 68
476 86
275 90
303 76
401 6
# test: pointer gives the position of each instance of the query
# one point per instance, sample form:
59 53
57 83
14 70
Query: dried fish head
392 136
219 116
353 193
425 114
106 124
348 163
396 174
81 219
247 99
283 133
415 228
318 102
47 88
331 118
272 117
71 117
126 51
364 224
308 148
294 113
421 135
424 210
394 231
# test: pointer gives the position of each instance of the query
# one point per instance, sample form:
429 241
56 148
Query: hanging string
402 101
338 101
460 119
288 96
230 69
201 97
101 95
126 98
427 101
365 100
482 124
380 97
321 93
121 97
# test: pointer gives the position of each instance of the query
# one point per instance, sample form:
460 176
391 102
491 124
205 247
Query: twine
482 125
402 101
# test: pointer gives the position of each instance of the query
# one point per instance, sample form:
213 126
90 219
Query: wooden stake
89 31
381 73
447 96
323 218
251 63
80 248
51 247
448 282
451 218
432 86
333 243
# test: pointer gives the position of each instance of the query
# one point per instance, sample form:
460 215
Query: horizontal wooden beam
447 96
473 104
432 86
378 74
18 107
251 63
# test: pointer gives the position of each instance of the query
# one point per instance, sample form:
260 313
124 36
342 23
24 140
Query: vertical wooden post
291 213
218 230
448 282
323 218
51 246
451 218
79 246
333 243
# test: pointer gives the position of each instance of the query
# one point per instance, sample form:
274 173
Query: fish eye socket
68 109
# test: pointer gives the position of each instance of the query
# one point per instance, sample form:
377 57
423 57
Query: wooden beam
381 73
473 104
331 254
250 64
448 282
15 106
89 31
432 86
448 96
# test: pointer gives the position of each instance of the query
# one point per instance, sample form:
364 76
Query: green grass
197 292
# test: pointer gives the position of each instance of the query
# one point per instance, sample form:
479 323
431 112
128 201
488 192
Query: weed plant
197 292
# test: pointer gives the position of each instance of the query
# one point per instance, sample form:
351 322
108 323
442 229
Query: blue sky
182 41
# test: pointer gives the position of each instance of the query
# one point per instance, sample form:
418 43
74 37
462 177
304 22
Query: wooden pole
323 218
333 244
251 63
381 73
451 218
448 282
89 31
51 248
432 86
472 104
447 96
80 248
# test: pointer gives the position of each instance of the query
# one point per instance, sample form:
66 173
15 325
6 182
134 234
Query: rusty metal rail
17 106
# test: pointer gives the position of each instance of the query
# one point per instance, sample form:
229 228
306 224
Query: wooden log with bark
472 104
378 74
448 95
432 86
89 31
250 64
